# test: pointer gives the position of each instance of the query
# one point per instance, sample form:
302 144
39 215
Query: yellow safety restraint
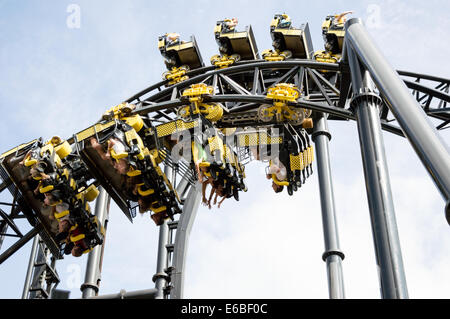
275 179
122 112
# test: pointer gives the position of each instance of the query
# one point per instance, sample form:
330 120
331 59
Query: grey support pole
381 206
161 277
423 136
185 224
333 255
27 285
93 268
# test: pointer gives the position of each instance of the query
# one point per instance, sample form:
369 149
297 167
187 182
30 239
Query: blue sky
57 80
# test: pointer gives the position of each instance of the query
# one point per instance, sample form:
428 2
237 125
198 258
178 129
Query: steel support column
94 263
161 277
333 255
185 223
27 285
423 136
384 227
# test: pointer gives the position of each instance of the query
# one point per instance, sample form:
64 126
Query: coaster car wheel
296 118
235 57
286 54
263 114
183 112
184 68
165 75
215 59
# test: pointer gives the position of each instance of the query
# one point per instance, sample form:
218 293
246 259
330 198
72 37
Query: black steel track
164 100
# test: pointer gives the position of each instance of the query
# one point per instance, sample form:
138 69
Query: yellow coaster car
119 158
233 44
280 143
86 231
333 32
50 180
289 41
219 163
179 53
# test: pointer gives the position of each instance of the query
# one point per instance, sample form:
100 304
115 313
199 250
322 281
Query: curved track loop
325 88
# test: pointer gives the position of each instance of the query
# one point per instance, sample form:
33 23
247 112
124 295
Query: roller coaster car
237 171
333 33
45 176
290 145
178 53
11 166
117 186
131 172
86 231
67 195
296 154
162 197
232 42
287 38
218 161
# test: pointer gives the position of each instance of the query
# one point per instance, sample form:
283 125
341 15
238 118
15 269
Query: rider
172 38
277 169
285 22
229 24
60 211
341 18
118 147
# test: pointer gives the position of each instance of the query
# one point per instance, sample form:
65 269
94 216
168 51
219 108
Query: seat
178 53
233 45
333 33
62 182
289 41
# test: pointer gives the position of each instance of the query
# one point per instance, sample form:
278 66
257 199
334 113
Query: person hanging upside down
278 170
172 38
116 146
219 190
60 211
203 171
207 180
79 246
230 24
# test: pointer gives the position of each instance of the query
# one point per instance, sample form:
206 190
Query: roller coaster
159 150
